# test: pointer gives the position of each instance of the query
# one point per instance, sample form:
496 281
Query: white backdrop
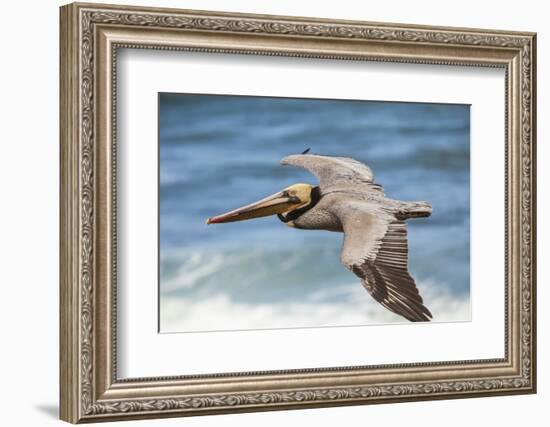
29 171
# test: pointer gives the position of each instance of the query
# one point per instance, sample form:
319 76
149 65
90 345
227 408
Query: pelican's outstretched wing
375 249
332 171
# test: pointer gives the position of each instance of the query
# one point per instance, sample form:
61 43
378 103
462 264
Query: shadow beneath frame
50 410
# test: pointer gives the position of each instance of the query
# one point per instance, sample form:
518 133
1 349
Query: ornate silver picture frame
91 36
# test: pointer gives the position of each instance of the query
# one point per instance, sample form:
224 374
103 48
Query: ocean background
218 153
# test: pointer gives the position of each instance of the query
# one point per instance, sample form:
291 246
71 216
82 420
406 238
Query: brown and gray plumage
375 235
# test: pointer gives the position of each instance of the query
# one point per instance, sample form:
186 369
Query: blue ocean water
220 152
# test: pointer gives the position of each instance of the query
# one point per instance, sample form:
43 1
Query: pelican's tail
414 210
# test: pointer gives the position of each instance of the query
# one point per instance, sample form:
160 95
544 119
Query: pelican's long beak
275 204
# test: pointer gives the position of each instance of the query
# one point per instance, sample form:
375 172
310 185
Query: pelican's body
347 200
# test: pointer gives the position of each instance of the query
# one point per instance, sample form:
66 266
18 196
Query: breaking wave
207 291
219 312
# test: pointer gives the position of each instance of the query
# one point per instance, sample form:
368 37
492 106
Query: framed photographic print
266 212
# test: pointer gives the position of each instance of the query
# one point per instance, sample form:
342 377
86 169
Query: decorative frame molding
90 36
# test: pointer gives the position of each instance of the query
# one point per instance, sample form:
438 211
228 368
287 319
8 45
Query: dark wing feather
376 250
334 171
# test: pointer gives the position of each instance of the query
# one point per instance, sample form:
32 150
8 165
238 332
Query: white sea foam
192 269
353 307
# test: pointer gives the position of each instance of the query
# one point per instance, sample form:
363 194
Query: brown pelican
347 200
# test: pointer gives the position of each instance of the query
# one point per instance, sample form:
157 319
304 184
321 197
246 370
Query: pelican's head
291 198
